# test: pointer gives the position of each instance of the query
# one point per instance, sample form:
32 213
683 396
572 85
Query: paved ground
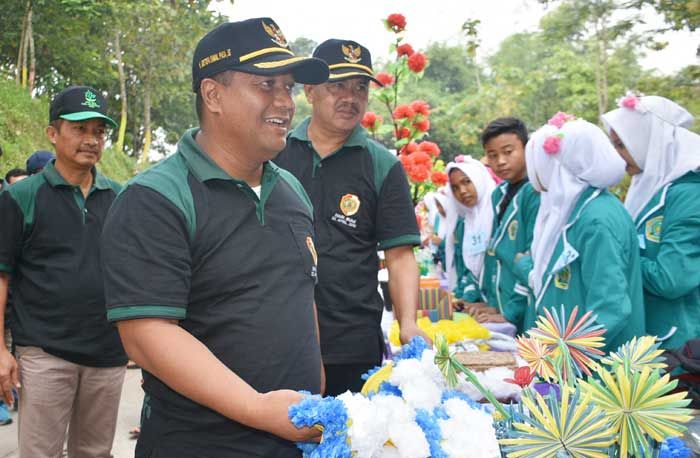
129 412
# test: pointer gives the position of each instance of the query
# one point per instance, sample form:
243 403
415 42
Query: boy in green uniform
663 201
584 247
515 205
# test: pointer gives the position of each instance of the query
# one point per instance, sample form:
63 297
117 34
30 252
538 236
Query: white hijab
431 200
585 158
477 219
656 134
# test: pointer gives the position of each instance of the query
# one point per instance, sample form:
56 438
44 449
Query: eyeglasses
358 88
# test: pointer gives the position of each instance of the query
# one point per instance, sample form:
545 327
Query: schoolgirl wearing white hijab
663 156
468 228
584 247
436 203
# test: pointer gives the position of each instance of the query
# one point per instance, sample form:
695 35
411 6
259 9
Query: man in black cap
68 356
362 204
210 264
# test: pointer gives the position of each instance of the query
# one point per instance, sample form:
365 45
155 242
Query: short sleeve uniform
187 242
362 204
49 243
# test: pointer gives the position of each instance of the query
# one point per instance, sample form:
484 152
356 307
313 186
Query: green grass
23 122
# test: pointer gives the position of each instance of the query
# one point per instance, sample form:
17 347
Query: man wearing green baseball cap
69 358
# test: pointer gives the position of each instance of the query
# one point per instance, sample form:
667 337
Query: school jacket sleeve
675 271
604 272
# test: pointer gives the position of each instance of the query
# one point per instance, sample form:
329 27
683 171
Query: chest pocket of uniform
307 249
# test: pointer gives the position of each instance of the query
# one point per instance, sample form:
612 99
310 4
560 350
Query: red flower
422 158
418 174
422 126
430 148
385 78
371 120
403 132
405 50
438 178
421 107
417 62
409 149
396 22
523 377
404 111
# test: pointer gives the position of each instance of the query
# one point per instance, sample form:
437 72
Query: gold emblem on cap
352 54
349 204
275 34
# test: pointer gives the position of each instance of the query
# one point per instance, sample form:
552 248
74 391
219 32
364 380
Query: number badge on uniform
513 229
349 204
653 229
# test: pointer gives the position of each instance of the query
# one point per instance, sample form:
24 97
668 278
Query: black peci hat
254 46
78 103
346 59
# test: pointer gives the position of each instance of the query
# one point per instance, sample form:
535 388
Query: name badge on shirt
568 255
475 243
642 241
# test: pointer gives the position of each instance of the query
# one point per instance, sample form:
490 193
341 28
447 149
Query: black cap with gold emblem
346 59
255 46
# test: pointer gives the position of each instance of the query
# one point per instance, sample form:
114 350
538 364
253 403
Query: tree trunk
143 160
21 47
122 93
25 46
32 59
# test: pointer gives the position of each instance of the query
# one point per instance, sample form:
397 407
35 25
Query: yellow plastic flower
454 331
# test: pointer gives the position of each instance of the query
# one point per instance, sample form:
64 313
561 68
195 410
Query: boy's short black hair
500 126
15 173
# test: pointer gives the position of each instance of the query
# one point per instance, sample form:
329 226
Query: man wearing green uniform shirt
361 204
210 263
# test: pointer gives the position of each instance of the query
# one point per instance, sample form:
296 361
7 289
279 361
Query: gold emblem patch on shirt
562 278
653 229
513 229
349 204
312 249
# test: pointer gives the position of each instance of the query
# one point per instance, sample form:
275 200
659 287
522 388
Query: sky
429 21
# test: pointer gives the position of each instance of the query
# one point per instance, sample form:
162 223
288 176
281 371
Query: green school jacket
596 266
513 235
669 239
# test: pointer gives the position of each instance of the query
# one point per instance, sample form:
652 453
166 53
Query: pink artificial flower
629 101
560 119
552 144
459 158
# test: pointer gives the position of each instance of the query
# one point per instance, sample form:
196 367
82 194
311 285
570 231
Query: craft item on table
408 412
508 329
467 329
483 360
636 354
437 299
572 345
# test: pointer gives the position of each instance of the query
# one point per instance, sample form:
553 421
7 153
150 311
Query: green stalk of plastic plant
449 366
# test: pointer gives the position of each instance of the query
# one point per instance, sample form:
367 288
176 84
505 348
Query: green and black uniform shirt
49 243
185 241
362 203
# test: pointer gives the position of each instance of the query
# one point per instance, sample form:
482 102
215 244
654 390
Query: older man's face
339 106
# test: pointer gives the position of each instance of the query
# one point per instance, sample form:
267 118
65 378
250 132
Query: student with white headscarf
663 156
584 250
469 220
435 203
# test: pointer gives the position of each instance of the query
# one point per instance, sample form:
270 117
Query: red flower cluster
385 78
405 50
417 160
522 377
403 132
404 112
438 178
371 121
417 62
421 107
396 22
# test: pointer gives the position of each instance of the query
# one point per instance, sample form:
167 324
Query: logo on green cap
90 100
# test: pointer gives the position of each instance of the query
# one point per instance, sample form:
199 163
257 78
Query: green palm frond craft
575 428
637 405
636 354
575 344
